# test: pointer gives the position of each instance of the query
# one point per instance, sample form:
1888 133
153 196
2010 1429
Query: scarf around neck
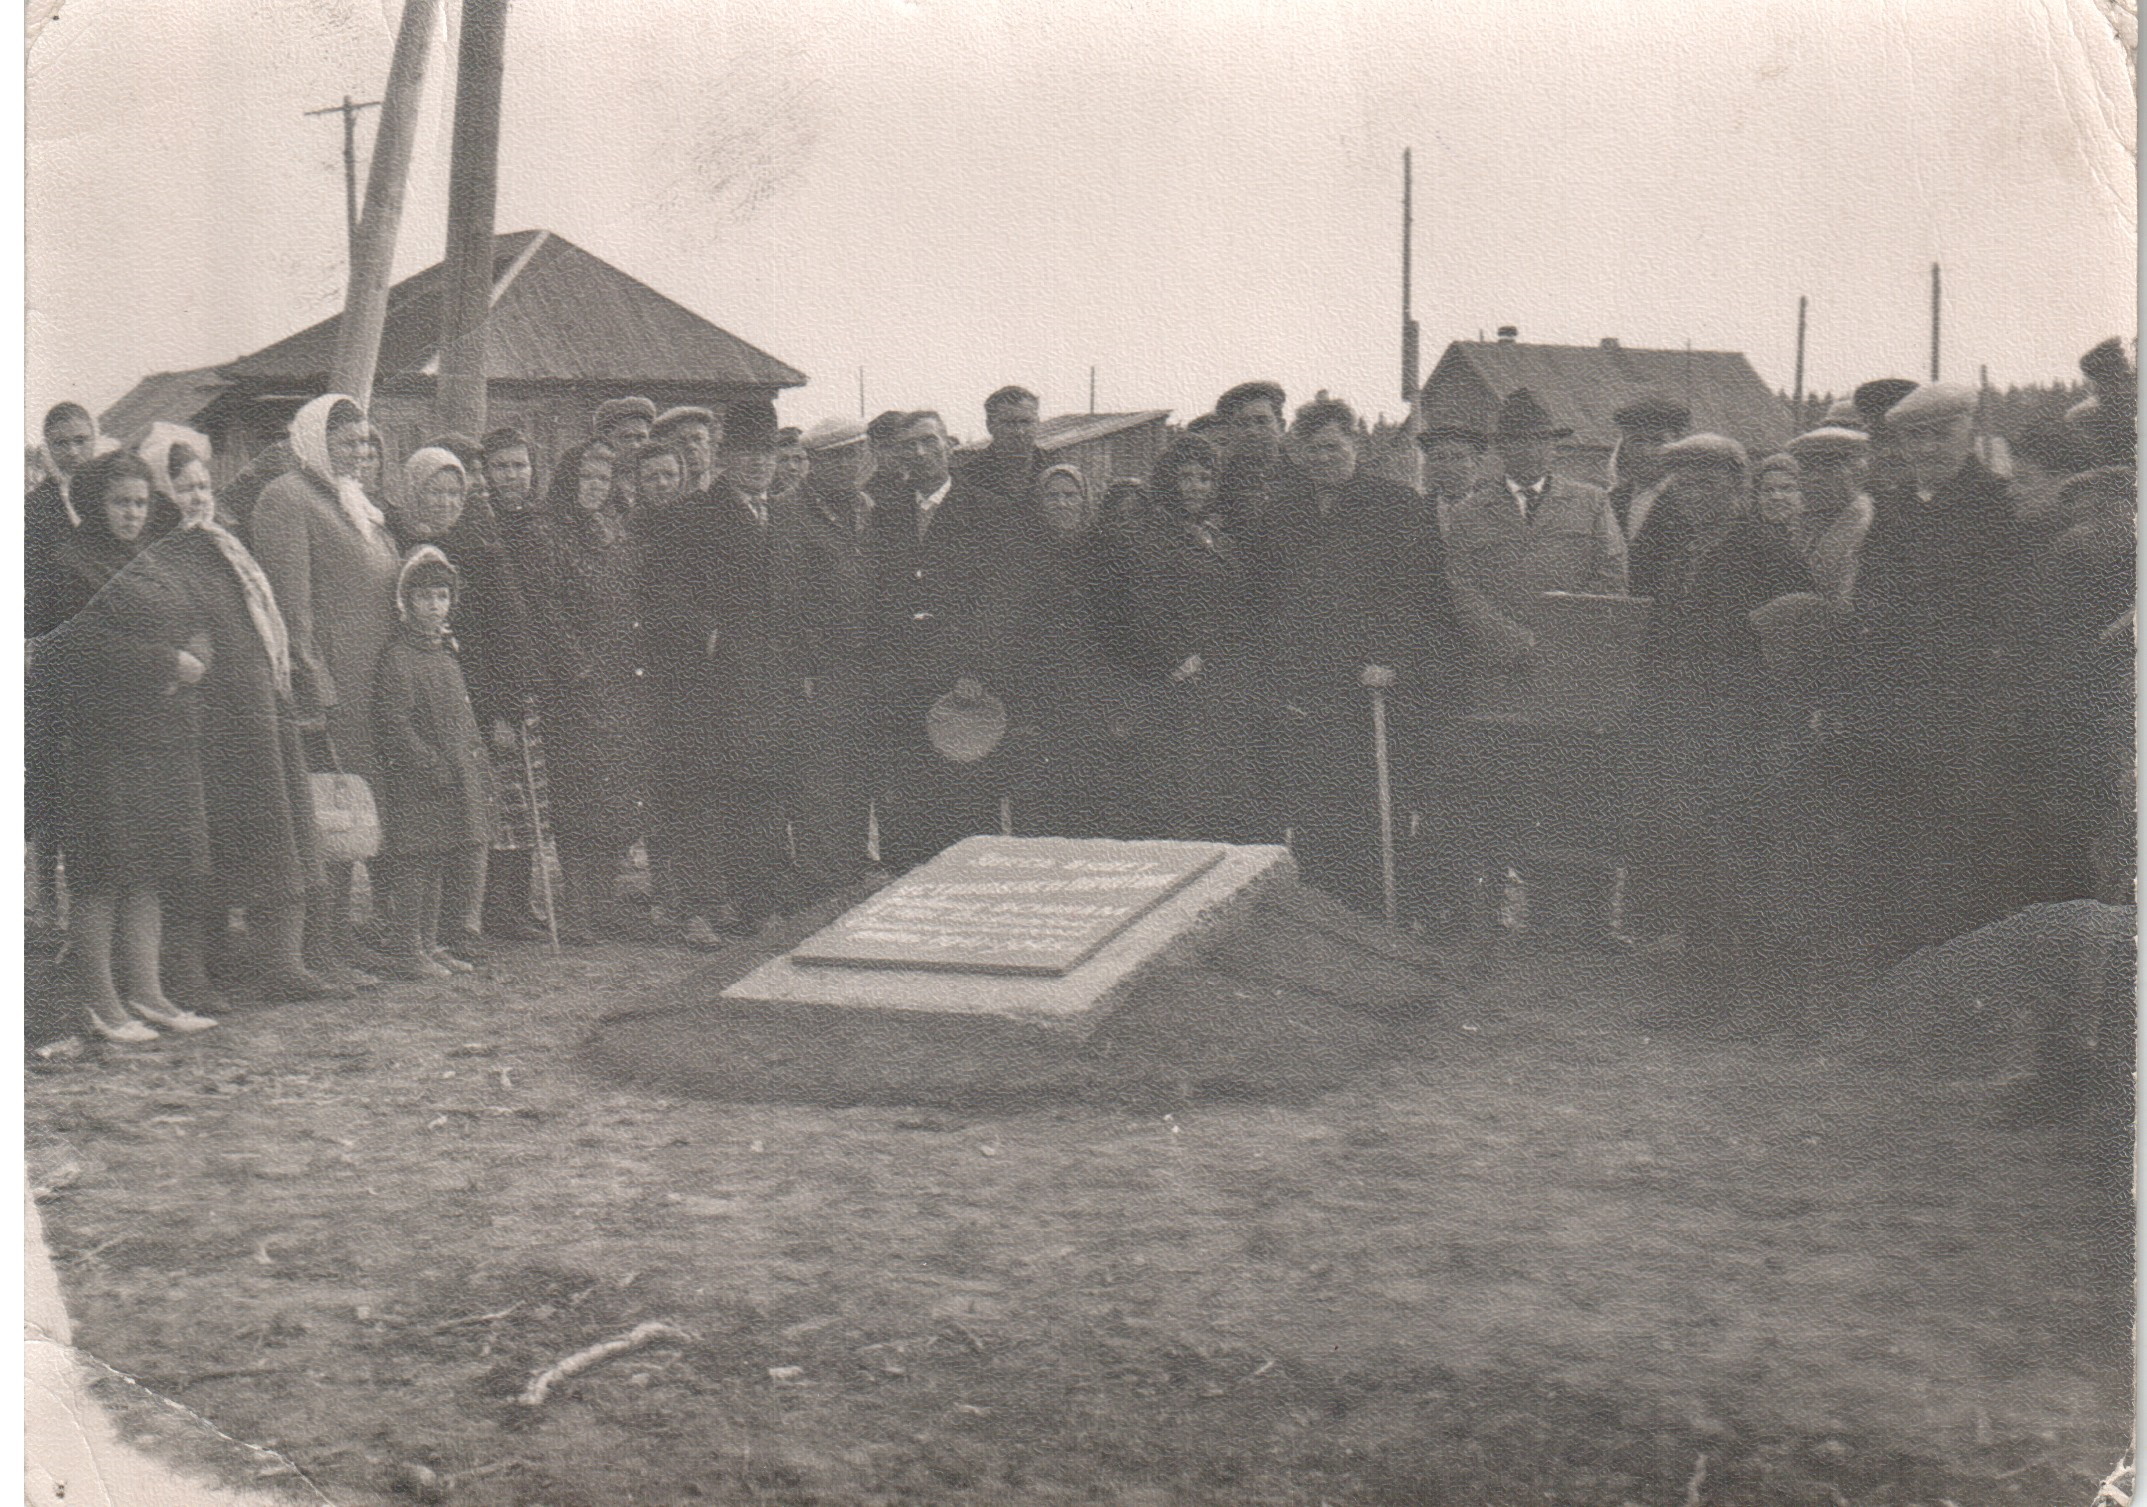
309 442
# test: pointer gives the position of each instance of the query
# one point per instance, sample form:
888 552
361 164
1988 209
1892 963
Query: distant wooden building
1107 447
567 331
1583 385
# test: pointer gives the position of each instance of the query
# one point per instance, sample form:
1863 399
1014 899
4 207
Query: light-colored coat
336 585
1497 562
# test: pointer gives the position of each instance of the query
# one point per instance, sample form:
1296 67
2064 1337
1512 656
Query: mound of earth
1294 997
1975 1003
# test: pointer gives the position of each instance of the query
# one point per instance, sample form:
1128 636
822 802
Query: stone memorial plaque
1027 932
1014 906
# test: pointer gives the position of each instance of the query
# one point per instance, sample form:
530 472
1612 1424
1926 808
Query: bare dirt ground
1549 1231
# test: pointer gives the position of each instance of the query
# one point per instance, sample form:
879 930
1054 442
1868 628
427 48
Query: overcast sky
953 194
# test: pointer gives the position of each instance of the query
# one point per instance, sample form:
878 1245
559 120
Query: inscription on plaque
1009 905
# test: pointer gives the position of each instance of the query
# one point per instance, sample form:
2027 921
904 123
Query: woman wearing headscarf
1187 637
332 562
596 728
1072 782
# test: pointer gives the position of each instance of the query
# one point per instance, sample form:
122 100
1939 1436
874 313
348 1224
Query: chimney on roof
1610 342
1508 334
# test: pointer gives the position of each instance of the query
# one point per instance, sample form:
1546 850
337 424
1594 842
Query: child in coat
434 788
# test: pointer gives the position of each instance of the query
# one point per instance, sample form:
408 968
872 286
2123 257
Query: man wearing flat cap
1645 425
1706 703
1837 512
823 591
698 433
1933 696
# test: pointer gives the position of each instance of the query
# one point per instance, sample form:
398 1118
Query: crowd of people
1879 686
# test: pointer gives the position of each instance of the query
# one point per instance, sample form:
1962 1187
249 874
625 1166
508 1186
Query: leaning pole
365 309
472 196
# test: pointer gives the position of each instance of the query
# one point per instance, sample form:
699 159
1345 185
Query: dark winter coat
594 703
1932 673
434 785
231 737
502 558
707 573
1360 584
956 603
46 527
86 559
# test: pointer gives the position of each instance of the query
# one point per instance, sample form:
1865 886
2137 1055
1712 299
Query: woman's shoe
129 1032
170 1017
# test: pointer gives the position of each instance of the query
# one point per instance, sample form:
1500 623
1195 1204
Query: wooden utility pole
1409 330
1934 321
472 199
1797 397
1092 389
349 111
365 306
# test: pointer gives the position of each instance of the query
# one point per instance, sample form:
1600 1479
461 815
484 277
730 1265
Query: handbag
346 823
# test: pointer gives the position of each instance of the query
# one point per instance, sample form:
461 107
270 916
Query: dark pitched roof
1583 385
558 314
174 396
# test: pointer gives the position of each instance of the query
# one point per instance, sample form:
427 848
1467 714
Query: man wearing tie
1524 532
720 769
949 565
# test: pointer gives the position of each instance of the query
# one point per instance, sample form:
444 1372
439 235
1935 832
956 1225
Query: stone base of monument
1043 933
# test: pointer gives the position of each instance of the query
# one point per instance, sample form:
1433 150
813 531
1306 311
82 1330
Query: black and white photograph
1079 753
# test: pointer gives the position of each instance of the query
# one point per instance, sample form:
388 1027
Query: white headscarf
309 442
426 462
155 448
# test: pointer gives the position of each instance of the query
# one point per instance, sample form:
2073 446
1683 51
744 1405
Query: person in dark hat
1525 532
1645 425
2048 453
887 477
951 573
1453 438
718 776
1887 469
1932 696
